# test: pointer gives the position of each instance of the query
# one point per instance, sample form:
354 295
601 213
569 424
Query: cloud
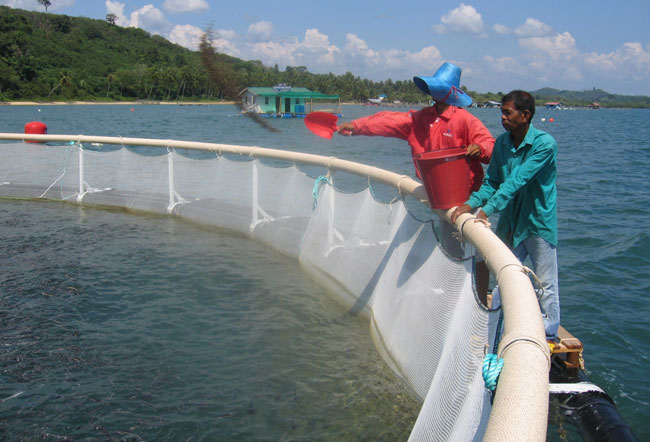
550 59
150 19
464 18
260 31
630 61
501 65
559 46
175 6
357 56
272 52
117 8
501 29
186 35
355 44
224 41
533 28
228 34
316 51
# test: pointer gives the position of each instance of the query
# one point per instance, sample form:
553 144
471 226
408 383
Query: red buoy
35 127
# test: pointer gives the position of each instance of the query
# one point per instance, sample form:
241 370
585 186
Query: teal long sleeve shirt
520 183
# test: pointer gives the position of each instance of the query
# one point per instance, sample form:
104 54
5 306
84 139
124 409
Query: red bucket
445 175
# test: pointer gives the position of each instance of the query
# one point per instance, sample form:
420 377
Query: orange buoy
551 119
35 127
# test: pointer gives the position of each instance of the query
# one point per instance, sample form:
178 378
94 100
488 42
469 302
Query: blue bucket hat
444 86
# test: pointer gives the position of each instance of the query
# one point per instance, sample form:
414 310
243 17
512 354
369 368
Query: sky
500 45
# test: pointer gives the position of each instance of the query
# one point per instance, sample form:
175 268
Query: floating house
491 104
554 105
594 105
285 101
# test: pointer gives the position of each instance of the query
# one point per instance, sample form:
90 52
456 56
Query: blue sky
500 45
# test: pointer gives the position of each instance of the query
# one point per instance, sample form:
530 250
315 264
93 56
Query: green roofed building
286 101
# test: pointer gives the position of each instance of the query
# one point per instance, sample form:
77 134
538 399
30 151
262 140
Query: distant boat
377 101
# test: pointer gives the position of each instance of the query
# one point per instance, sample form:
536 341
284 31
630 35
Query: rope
319 180
492 364
65 166
539 291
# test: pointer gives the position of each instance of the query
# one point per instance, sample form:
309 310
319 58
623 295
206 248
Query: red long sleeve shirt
425 131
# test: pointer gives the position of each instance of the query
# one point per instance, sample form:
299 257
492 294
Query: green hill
60 58
578 98
49 57
574 98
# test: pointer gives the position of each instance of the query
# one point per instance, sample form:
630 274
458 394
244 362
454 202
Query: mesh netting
374 257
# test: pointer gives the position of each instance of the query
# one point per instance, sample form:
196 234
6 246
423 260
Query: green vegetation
574 98
583 98
48 57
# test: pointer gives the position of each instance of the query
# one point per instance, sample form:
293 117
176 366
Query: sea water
604 250
134 327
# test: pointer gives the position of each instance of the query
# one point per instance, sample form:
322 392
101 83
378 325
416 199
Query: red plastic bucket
445 175
35 127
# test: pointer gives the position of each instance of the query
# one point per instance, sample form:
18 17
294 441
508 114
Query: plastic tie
492 365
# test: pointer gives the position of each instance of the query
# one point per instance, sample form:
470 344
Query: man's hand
473 151
465 208
481 216
346 129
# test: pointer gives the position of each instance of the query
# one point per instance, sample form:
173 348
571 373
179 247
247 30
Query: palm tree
64 81
111 78
46 3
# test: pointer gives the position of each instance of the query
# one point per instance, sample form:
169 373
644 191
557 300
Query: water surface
604 249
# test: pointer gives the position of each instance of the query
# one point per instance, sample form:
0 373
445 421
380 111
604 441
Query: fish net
375 257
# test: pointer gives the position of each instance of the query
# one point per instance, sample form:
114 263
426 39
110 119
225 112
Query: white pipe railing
520 406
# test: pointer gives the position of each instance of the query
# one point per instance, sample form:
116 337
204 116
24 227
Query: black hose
592 412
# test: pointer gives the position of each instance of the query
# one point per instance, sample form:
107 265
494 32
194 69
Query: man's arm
480 140
383 124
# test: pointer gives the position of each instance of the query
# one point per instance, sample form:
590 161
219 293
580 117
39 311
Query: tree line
49 57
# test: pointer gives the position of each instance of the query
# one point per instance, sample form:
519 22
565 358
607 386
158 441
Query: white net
374 257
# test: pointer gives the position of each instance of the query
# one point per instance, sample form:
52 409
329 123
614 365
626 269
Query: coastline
112 103
165 103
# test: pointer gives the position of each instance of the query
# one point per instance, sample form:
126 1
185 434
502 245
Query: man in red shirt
441 126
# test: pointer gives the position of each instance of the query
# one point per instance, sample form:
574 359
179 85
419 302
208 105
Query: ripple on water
117 325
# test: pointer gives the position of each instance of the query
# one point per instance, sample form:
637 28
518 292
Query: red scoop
322 124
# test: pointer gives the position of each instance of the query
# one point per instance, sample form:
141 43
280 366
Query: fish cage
375 257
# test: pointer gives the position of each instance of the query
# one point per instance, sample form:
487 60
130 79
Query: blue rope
492 364
317 183
66 143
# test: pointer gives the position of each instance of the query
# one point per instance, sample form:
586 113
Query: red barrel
445 175
35 127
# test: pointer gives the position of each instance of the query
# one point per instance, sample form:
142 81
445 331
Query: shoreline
164 103
112 103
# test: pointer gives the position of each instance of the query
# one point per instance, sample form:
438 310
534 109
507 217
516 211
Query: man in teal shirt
520 183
